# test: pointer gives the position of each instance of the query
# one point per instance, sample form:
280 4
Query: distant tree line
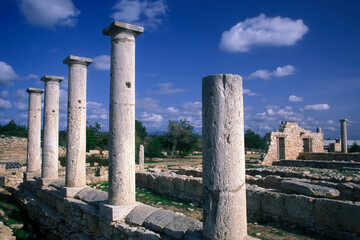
12 129
180 138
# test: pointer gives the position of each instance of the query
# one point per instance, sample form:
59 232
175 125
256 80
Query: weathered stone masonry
289 141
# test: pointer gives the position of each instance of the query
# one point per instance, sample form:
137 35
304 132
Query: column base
31 175
70 192
45 182
116 213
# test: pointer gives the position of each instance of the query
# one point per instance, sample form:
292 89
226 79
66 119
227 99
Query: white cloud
261 73
21 106
4 104
331 122
317 107
148 104
144 13
294 98
49 13
4 94
330 128
93 105
249 92
278 72
102 62
262 31
284 71
166 89
30 76
21 95
172 110
275 111
7 74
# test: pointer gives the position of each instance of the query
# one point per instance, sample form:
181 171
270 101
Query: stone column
122 113
318 130
343 136
141 157
50 128
34 133
224 189
76 122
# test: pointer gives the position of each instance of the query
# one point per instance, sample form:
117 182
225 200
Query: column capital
48 78
343 120
71 59
116 27
35 90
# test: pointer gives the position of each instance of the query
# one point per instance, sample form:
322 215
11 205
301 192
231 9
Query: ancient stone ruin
320 201
289 141
67 208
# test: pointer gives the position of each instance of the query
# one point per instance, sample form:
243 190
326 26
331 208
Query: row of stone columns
224 188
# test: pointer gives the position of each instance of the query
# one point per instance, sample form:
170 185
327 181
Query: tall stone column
343 136
34 133
122 113
50 128
224 189
141 156
76 122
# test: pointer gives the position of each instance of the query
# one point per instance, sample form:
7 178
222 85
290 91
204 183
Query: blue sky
300 60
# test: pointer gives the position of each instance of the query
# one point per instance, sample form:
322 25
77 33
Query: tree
180 136
12 129
355 147
92 134
253 140
153 146
140 135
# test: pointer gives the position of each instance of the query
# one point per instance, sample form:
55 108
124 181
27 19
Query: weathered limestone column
122 112
141 155
34 133
224 189
343 136
50 128
318 130
76 122
121 197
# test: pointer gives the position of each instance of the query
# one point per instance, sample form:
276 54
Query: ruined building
289 141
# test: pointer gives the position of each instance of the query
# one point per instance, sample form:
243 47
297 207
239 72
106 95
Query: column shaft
51 127
141 157
34 131
122 113
343 136
76 122
224 189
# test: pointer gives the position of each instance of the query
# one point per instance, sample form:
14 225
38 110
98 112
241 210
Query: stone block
273 203
28 175
105 229
337 215
253 198
70 192
116 213
300 208
139 214
179 226
309 189
158 220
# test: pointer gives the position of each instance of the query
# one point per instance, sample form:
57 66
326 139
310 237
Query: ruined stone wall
293 135
323 215
347 157
79 217
13 142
